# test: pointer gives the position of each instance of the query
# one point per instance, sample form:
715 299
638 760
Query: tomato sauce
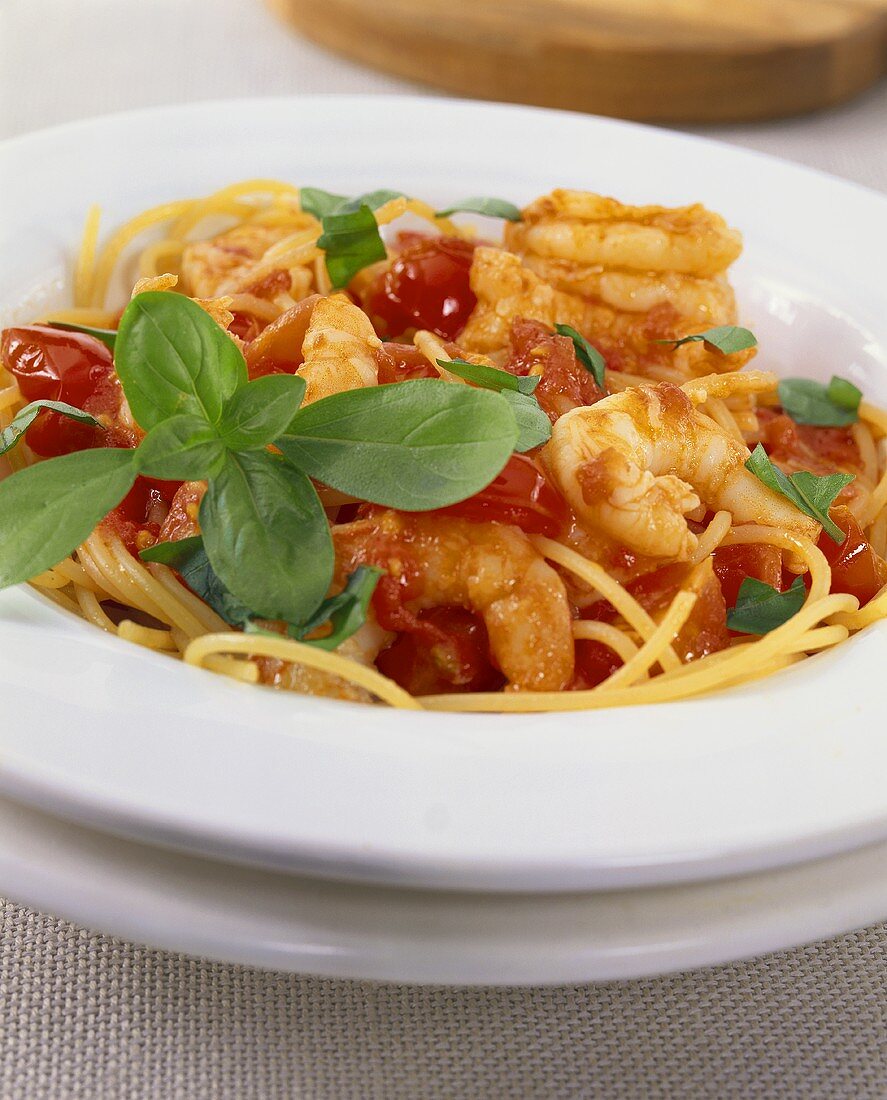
794 446
426 287
565 382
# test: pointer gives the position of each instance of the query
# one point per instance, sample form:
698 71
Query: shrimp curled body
637 463
338 349
488 568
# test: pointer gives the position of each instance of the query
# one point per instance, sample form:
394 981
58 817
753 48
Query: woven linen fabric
87 1017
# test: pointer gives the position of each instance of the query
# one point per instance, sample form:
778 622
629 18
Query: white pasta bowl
105 733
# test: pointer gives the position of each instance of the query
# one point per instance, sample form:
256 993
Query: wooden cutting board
669 60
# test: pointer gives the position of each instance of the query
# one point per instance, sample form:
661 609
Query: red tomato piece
139 517
56 365
519 495
426 287
402 362
565 383
595 662
856 568
453 656
733 564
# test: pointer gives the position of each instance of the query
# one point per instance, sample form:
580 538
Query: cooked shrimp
338 349
637 463
506 289
488 568
589 229
213 267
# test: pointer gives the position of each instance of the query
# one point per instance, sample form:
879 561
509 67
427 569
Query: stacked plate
171 806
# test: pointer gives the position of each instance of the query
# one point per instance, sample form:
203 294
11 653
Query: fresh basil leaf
761 608
108 336
811 494
534 427
372 199
587 354
726 339
188 558
318 202
182 448
267 537
25 417
172 357
260 411
492 208
413 445
351 242
346 612
490 378
810 402
49 508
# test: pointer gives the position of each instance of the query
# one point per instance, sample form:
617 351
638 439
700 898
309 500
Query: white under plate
123 739
347 930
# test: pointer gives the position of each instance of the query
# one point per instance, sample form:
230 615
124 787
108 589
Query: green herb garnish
761 608
107 335
586 353
810 402
811 494
490 207
534 426
726 339
351 242
25 417
265 549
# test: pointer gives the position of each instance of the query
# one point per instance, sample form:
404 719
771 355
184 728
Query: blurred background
62 60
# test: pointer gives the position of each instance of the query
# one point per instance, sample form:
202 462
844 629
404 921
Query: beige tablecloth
88 1017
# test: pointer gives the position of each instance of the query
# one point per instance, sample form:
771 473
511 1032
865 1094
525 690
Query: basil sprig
351 237
810 402
761 608
189 559
727 339
25 417
534 426
490 207
811 494
266 549
108 336
346 612
586 353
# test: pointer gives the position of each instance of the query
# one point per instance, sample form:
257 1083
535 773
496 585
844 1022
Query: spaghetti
637 556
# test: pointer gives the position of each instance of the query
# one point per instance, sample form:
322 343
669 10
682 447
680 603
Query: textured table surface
86 1016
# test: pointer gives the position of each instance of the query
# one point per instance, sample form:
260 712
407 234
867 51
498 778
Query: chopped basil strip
346 612
188 558
534 427
490 378
810 494
492 208
25 417
726 339
586 353
761 608
320 203
351 242
108 336
810 402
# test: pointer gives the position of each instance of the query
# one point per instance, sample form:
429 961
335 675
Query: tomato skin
452 656
732 564
55 365
856 568
519 495
565 383
427 287
402 363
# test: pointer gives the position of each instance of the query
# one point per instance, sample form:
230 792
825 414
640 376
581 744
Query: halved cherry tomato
856 568
733 564
55 365
453 656
426 287
138 518
520 495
